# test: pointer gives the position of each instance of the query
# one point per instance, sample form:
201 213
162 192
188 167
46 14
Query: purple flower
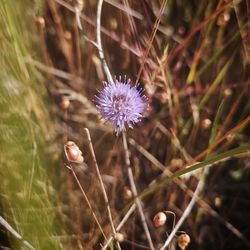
121 104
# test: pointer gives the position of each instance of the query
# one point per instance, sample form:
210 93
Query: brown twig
183 186
87 200
119 227
134 191
155 28
99 41
8 227
92 152
184 215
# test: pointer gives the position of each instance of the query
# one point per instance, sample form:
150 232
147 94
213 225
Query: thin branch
75 96
99 41
78 10
151 39
119 227
185 214
78 21
112 35
92 152
126 9
7 226
189 192
51 70
87 200
134 191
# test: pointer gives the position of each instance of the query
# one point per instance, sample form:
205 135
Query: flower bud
80 4
127 193
72 152
40 22
68 35
223 19
217 201
160 219
206 123
65 103
119 237
227 93
183 241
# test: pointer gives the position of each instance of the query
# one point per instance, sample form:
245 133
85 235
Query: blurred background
191 57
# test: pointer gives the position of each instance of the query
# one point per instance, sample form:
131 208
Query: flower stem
184 215
8 227
99 41
120 225
87 200
134 191
92 152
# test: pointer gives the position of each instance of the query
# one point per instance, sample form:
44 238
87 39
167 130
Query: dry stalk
134 191
87 200
110 79
185 214
92 152
8 227
78 21
99 41
119 227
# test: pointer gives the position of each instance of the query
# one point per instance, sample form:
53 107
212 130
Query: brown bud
160 219
127 193
68 35
65 103
181 30
72 152
223 19
163 97
40 22
183 241
80 4
206 123
227 93
217 201
113 23
176 162
119 237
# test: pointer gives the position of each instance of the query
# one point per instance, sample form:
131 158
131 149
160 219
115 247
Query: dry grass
193 61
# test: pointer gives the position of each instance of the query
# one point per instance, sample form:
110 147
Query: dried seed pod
68 35
217 201
127 193
79 4
113 24
72 152
40 22
119 237
206 123
183 241
177 162
65 103
163 97
160 219
223 19
228 92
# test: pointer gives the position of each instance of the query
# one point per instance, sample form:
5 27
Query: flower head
122 104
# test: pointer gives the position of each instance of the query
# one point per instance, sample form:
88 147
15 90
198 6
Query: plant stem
8 227
185 214
123 221
92 152
134 191
87 200
99 41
